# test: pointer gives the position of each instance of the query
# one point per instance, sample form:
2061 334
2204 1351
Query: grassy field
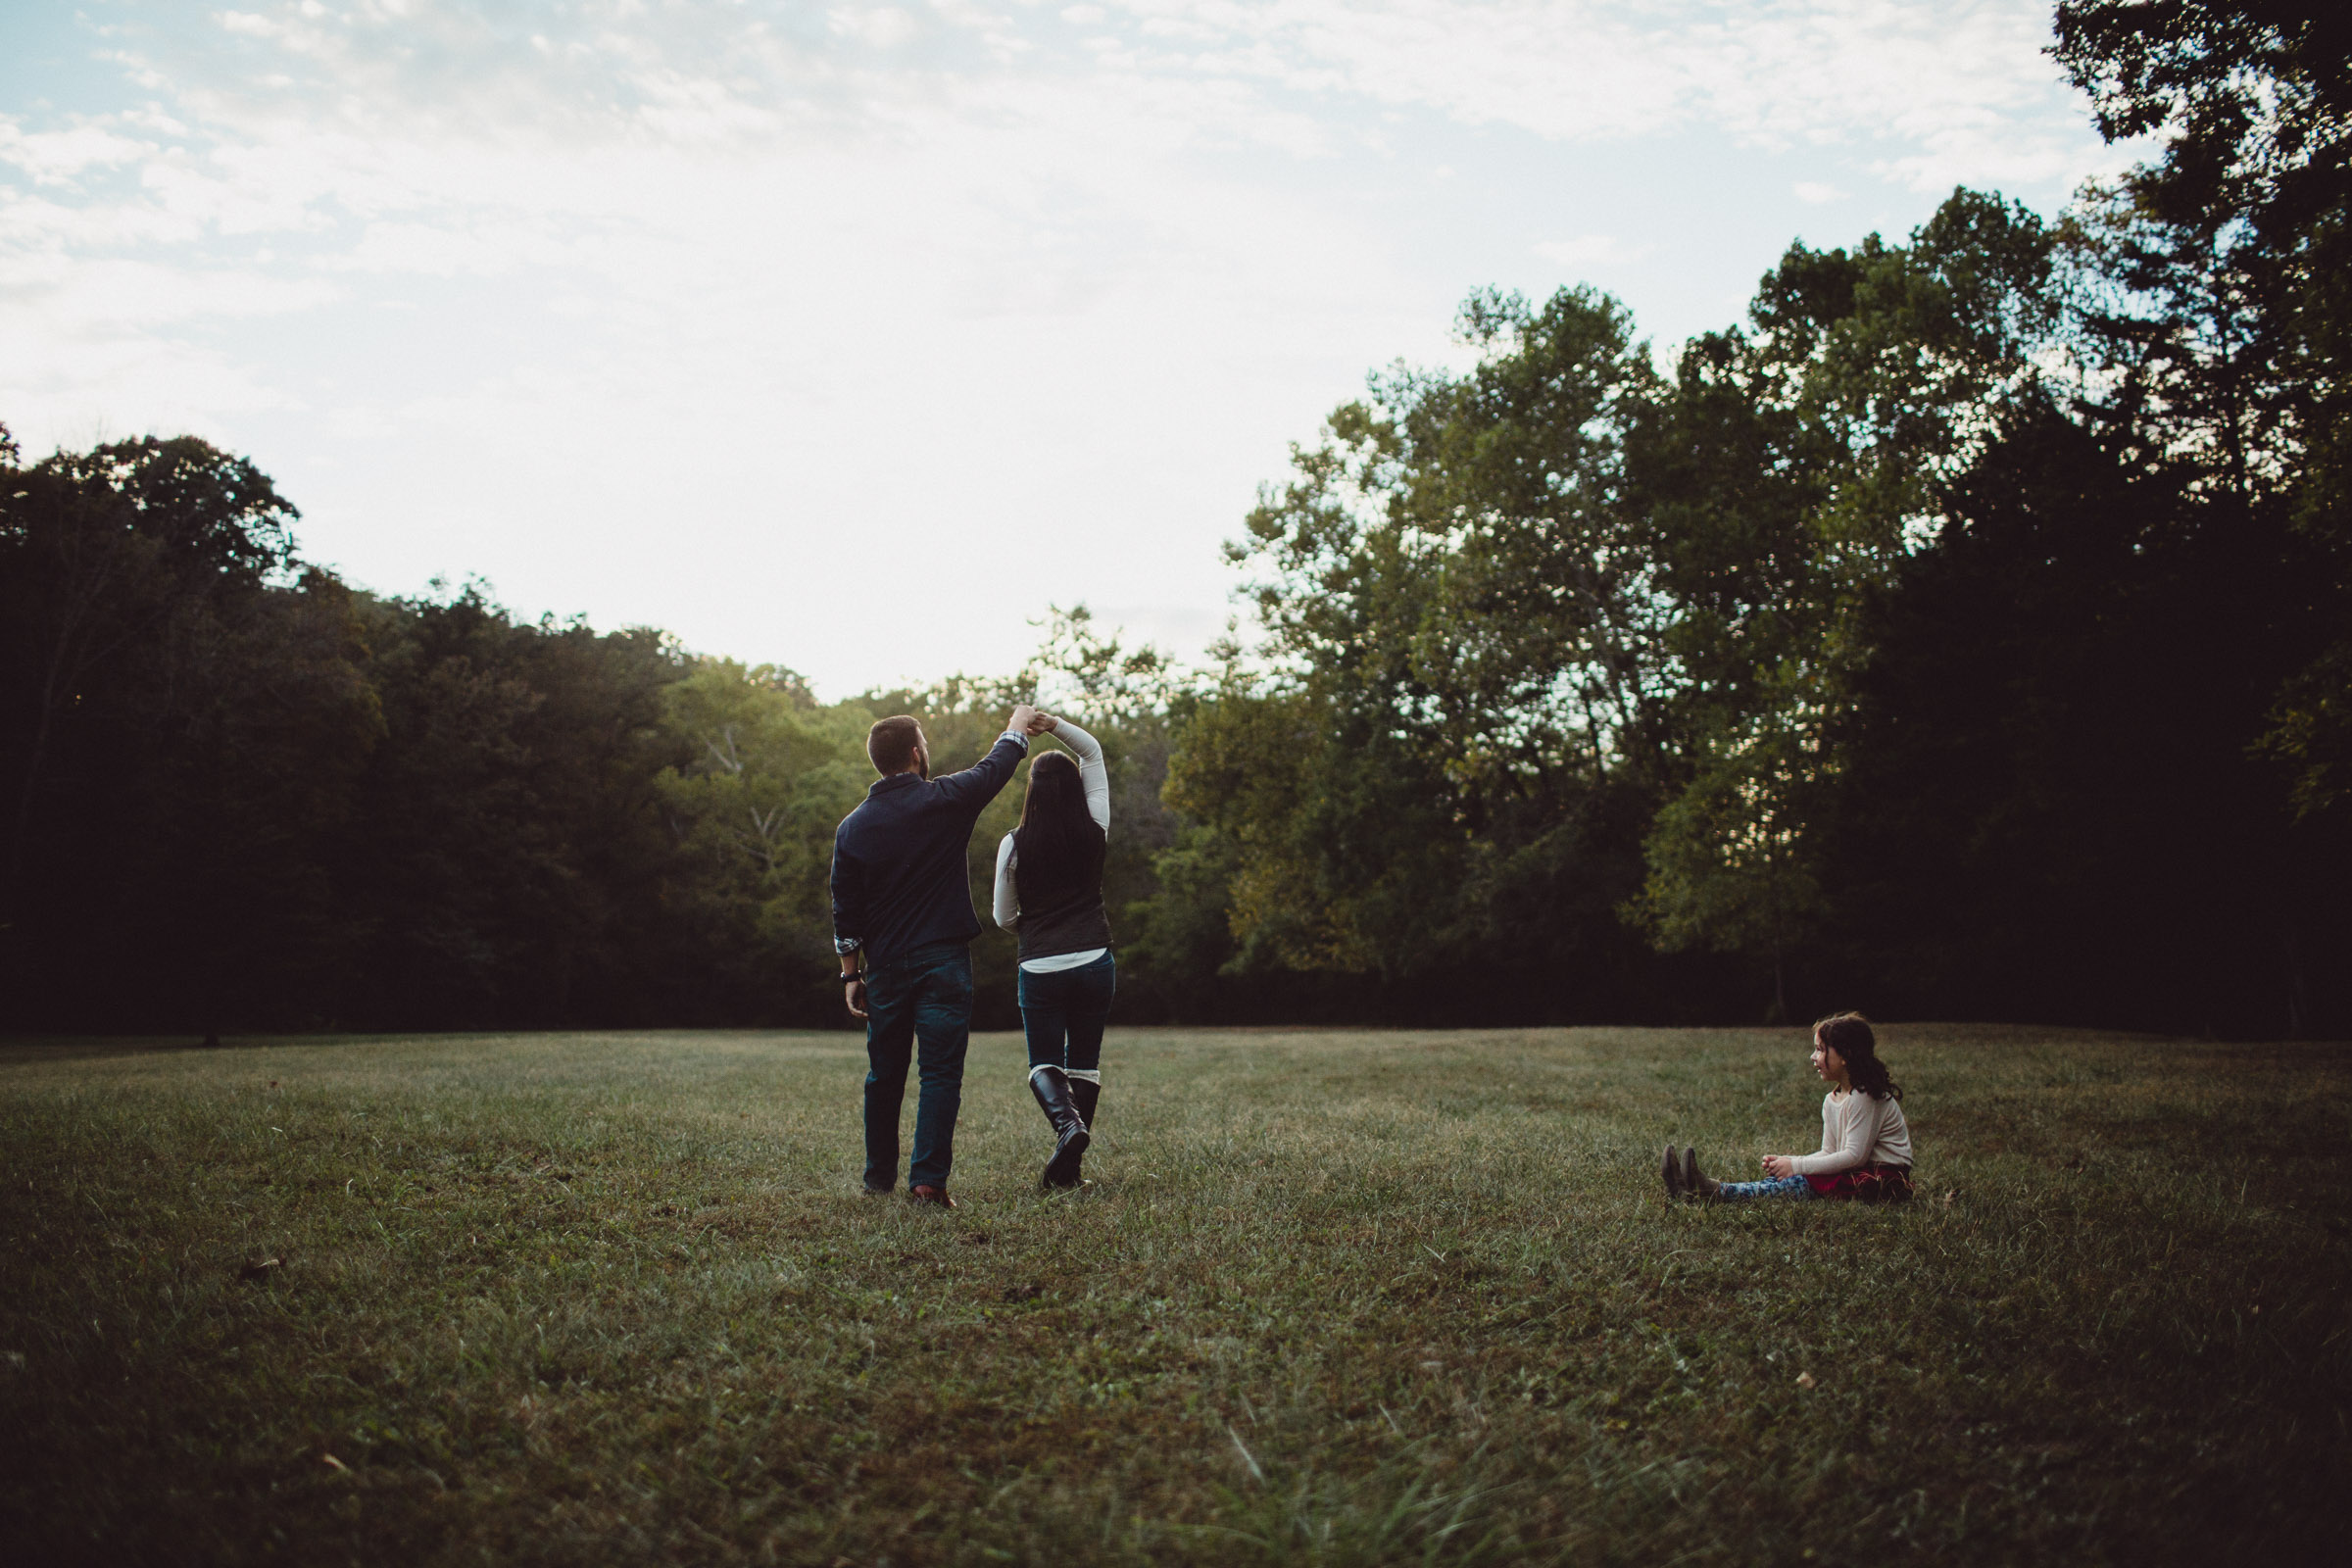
1334 1298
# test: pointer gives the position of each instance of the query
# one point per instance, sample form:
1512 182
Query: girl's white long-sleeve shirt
1096 778
1857 1130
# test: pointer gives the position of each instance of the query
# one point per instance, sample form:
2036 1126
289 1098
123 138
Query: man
903 896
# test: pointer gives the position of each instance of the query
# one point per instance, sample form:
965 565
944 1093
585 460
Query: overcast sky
850 337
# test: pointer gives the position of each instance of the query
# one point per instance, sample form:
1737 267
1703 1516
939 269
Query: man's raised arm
977 785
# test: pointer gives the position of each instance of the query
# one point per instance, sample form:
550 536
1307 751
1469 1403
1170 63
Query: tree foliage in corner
1964 633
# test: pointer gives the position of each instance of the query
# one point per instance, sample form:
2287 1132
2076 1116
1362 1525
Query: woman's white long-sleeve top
1096 778
1857 1130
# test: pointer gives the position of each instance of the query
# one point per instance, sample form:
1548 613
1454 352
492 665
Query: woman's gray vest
1060 916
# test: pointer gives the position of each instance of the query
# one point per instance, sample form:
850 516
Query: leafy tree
511 865
1729 869
187 722
754 813
2227 301
2222 297
1795 467
1464 665
2227 269
2045 808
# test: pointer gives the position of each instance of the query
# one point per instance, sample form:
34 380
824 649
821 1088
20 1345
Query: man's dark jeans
924 997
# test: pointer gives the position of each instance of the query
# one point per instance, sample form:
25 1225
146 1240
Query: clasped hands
1030 721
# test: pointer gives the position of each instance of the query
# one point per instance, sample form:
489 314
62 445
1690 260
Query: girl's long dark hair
1849 1035
1058 844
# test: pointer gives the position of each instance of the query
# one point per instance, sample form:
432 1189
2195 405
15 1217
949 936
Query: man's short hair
890 744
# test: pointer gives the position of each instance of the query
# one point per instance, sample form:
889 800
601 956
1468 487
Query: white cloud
1964 83
1586 249
248 25
1814 192
648 309
54 158
881 27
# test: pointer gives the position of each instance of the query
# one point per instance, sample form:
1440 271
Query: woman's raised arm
1090 772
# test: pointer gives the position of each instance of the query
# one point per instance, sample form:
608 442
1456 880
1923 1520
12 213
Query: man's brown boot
1673 1172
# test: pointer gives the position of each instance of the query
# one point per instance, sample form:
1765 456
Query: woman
1050 894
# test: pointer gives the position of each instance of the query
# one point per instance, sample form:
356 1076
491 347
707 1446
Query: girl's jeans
1064 1013
1776 1187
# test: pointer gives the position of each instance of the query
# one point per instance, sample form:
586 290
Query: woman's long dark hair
1849 1035
1058 843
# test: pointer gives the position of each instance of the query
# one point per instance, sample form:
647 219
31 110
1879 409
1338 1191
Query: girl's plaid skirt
1869 1184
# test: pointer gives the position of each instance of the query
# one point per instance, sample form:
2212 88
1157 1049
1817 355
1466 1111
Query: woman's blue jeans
1064 1013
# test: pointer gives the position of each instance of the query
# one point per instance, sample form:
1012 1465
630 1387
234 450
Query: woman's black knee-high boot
1052 1086
1088 1092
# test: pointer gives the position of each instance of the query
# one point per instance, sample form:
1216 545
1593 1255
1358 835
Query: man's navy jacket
899 878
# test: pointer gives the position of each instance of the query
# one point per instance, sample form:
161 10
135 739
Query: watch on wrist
850 977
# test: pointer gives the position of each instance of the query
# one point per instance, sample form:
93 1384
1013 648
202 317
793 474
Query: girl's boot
1052 1086
1087 1094
1672 1170
1697 1183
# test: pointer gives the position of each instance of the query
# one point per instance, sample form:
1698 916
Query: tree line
1967 633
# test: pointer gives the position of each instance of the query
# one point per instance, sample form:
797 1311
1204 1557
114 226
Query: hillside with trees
1965 633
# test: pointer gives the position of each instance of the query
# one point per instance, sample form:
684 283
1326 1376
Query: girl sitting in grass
1865 1143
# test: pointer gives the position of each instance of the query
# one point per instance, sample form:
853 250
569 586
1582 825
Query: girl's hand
1780 1166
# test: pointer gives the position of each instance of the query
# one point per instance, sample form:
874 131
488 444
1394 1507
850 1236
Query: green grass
1336 1298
